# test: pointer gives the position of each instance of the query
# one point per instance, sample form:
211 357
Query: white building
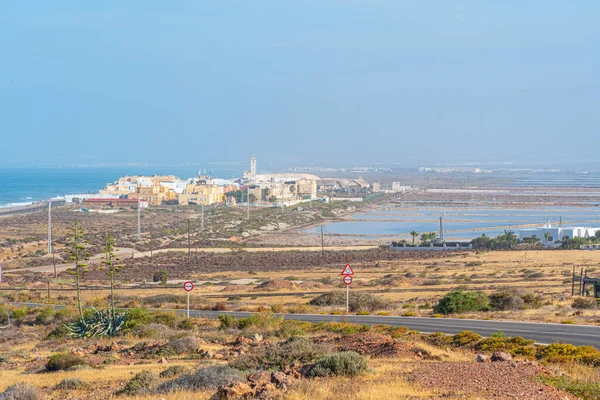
557 233
396 187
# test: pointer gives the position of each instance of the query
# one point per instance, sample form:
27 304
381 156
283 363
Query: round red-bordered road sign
188 286
347 280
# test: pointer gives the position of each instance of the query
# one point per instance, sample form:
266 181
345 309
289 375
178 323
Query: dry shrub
358 301
347 363
141 384
205 378
21 391
63 361
178 346
584 303
71 384
293 351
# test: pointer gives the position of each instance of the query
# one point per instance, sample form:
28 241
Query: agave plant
100 323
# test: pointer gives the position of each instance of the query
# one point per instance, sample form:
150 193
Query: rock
235 391
218 356
501 356
257 338
482 358
259 378
79 352
281 380
262 392
207 354
163 361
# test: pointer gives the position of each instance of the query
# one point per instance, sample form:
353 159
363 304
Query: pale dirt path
128 253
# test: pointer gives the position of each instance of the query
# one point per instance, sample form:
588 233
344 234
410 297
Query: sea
25 185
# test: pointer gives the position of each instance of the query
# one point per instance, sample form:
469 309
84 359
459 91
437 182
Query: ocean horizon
24 185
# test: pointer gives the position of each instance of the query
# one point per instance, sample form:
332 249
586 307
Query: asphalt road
541 332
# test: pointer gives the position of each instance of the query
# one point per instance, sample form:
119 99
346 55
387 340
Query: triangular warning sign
347 270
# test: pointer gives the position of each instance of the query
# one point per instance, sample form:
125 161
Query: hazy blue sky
363 81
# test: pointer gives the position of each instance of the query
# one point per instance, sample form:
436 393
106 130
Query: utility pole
573 282
202 216
322 242
50 227
247 203
189 251
139 233
282 193
441 230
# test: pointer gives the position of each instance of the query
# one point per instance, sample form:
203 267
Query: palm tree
414 234
547 237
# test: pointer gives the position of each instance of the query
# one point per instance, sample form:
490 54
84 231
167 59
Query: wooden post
54 264
573 282
48 282
581 282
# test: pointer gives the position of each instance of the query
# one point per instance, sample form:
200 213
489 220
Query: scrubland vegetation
162 355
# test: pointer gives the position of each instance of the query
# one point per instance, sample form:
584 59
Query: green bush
45 316
170 319
261 322
160 276
584 303
466 338
21 391
439 339
460 302
63 361
60 332
205 378
293 351
141 384
566 353
135 318
3 314
517 346
187 324
63 315
228 321
19 313
347 363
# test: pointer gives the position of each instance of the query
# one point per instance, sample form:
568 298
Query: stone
280 379
235 391
207 354
218 356
500 356
260 378
482 358
257 338
163 361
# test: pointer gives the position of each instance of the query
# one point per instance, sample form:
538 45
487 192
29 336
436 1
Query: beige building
202 191
154 189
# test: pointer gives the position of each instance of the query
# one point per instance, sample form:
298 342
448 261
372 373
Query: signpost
347 274
188 287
